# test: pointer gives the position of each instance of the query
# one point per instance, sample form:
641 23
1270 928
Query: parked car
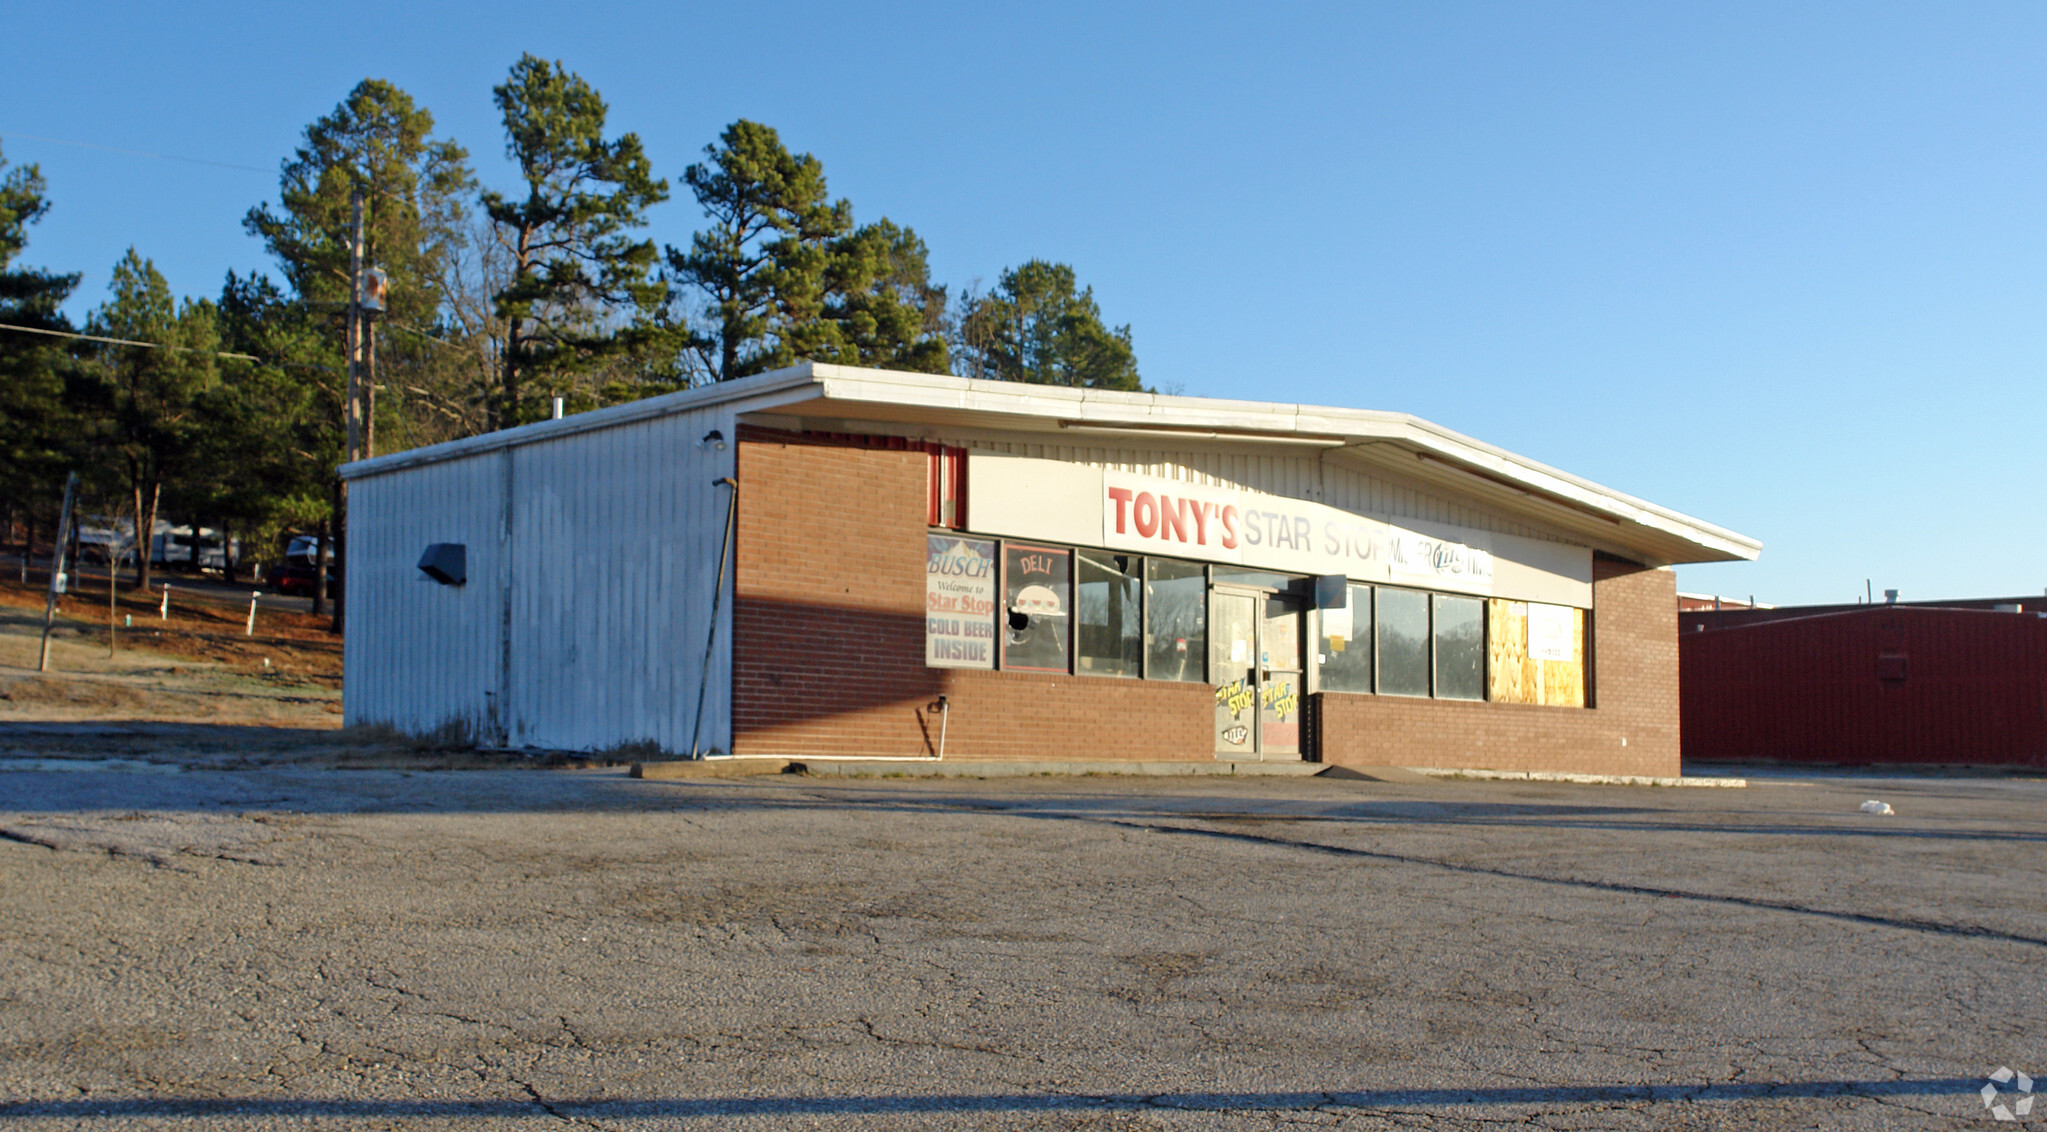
295 574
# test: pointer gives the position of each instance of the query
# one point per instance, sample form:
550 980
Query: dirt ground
196 665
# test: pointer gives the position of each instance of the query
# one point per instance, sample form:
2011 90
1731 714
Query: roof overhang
842 398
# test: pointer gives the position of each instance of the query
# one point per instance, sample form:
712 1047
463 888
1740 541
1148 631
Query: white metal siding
611 543
419 655
615 538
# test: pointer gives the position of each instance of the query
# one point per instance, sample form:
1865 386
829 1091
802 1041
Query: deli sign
1171 517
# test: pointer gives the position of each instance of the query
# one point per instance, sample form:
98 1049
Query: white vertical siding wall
584 621
420 656
615 537
1281 473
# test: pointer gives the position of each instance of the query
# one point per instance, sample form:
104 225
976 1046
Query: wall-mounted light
714 440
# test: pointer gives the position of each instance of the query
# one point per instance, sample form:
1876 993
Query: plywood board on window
1515 677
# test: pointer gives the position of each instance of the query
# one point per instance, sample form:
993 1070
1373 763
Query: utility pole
354 409
57 568
375 288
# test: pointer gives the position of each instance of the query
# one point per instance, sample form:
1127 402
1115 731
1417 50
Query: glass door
1233 668
1279 678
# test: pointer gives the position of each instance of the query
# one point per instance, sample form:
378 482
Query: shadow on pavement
567 1108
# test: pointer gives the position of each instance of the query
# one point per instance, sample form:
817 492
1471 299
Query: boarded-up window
1519 677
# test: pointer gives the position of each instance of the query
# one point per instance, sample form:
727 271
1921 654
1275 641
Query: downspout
717 593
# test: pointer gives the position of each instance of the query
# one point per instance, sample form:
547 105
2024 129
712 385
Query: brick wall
828 632
1634 693
828 653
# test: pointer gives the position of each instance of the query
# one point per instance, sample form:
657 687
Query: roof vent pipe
1890 597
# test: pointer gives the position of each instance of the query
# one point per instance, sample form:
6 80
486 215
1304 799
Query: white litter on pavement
1875 807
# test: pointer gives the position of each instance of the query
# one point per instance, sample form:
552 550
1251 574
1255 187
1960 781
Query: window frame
1080 555
1002 610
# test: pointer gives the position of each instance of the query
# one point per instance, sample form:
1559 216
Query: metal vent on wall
446 563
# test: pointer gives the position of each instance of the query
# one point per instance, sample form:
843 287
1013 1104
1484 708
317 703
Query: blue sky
1781 267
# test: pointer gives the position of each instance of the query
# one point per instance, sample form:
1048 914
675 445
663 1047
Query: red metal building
1962 685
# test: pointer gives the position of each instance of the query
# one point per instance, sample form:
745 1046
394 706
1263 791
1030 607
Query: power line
137 152
127 342
161 346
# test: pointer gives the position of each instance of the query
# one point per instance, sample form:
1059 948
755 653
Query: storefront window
1402 624
1109 611
1344 652
1460 647
1036 602
1176 619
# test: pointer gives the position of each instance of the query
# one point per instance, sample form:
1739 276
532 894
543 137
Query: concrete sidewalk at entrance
1002 768
745 766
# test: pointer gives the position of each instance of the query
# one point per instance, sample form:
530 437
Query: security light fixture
713 439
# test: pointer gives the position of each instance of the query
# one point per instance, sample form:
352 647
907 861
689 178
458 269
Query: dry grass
296 646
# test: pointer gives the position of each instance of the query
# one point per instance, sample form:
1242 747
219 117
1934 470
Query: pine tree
880 299
145 400
415 190
782 275
581 290
38 441
1036 326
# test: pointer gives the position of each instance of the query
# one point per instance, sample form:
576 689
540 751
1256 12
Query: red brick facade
828 653
1633 692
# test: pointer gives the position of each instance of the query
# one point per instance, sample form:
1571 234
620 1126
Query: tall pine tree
1039 326
145 401
581 288
415 190
782 275
38 441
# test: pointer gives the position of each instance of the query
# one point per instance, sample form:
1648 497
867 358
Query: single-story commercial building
828 561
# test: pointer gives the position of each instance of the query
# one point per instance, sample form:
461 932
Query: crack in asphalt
1904 923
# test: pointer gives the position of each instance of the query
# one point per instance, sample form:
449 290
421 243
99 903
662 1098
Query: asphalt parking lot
300 947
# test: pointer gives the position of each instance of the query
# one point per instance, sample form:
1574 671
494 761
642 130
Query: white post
251 631
164 613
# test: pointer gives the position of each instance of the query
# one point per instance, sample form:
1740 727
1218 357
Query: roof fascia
760 391
1054 407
